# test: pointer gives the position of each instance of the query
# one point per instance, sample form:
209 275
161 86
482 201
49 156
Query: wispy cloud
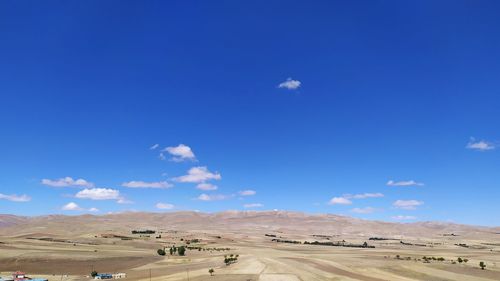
481 145
99 194
404 183
213 197
198 175
253 205
154 146
363 195
67 181
15 198
164 206
339 201
180 153
366 210
247 192
401 217
142 184
206 186
407 204
290 84
123 200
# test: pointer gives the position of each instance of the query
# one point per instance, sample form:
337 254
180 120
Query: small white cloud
290 84
206 186
198 175
122 200
404 183
162 156
99 194
480 145
15 198
400 217
363 195
154 146
67 181
366 210
339 201
247 192
142 184
214 197
71 206
253 205
164 206
180 153
407 204
93 210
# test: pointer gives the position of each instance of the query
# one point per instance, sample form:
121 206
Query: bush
211 271
161 252
93 274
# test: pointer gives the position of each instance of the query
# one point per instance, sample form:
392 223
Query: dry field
68 248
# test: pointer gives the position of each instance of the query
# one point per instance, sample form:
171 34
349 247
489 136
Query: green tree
460 260
482 265
161 252
93 274
171 251
181 250
211 271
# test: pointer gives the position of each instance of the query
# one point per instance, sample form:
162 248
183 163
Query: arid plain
270 246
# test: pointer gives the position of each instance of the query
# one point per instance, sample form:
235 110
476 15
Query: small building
119 275
103 276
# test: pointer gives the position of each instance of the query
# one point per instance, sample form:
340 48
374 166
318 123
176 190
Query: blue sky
384 110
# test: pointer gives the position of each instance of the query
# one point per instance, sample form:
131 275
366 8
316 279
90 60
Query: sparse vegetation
211 271
231 259
146 231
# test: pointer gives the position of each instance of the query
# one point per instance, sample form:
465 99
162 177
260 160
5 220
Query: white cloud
71 206
94 210
162 156
400 217
214 197
247 192
154 146
99 194
407 204
164 206
366 210
67 181
15 198
142 184
122 200
206 186
180 153
198 175
363 195
404 183
290 84
253 205
480 145
339 201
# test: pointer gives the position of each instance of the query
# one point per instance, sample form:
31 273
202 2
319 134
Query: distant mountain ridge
264 221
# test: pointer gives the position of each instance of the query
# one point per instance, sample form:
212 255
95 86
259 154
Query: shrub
211 271
161 252
181 250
